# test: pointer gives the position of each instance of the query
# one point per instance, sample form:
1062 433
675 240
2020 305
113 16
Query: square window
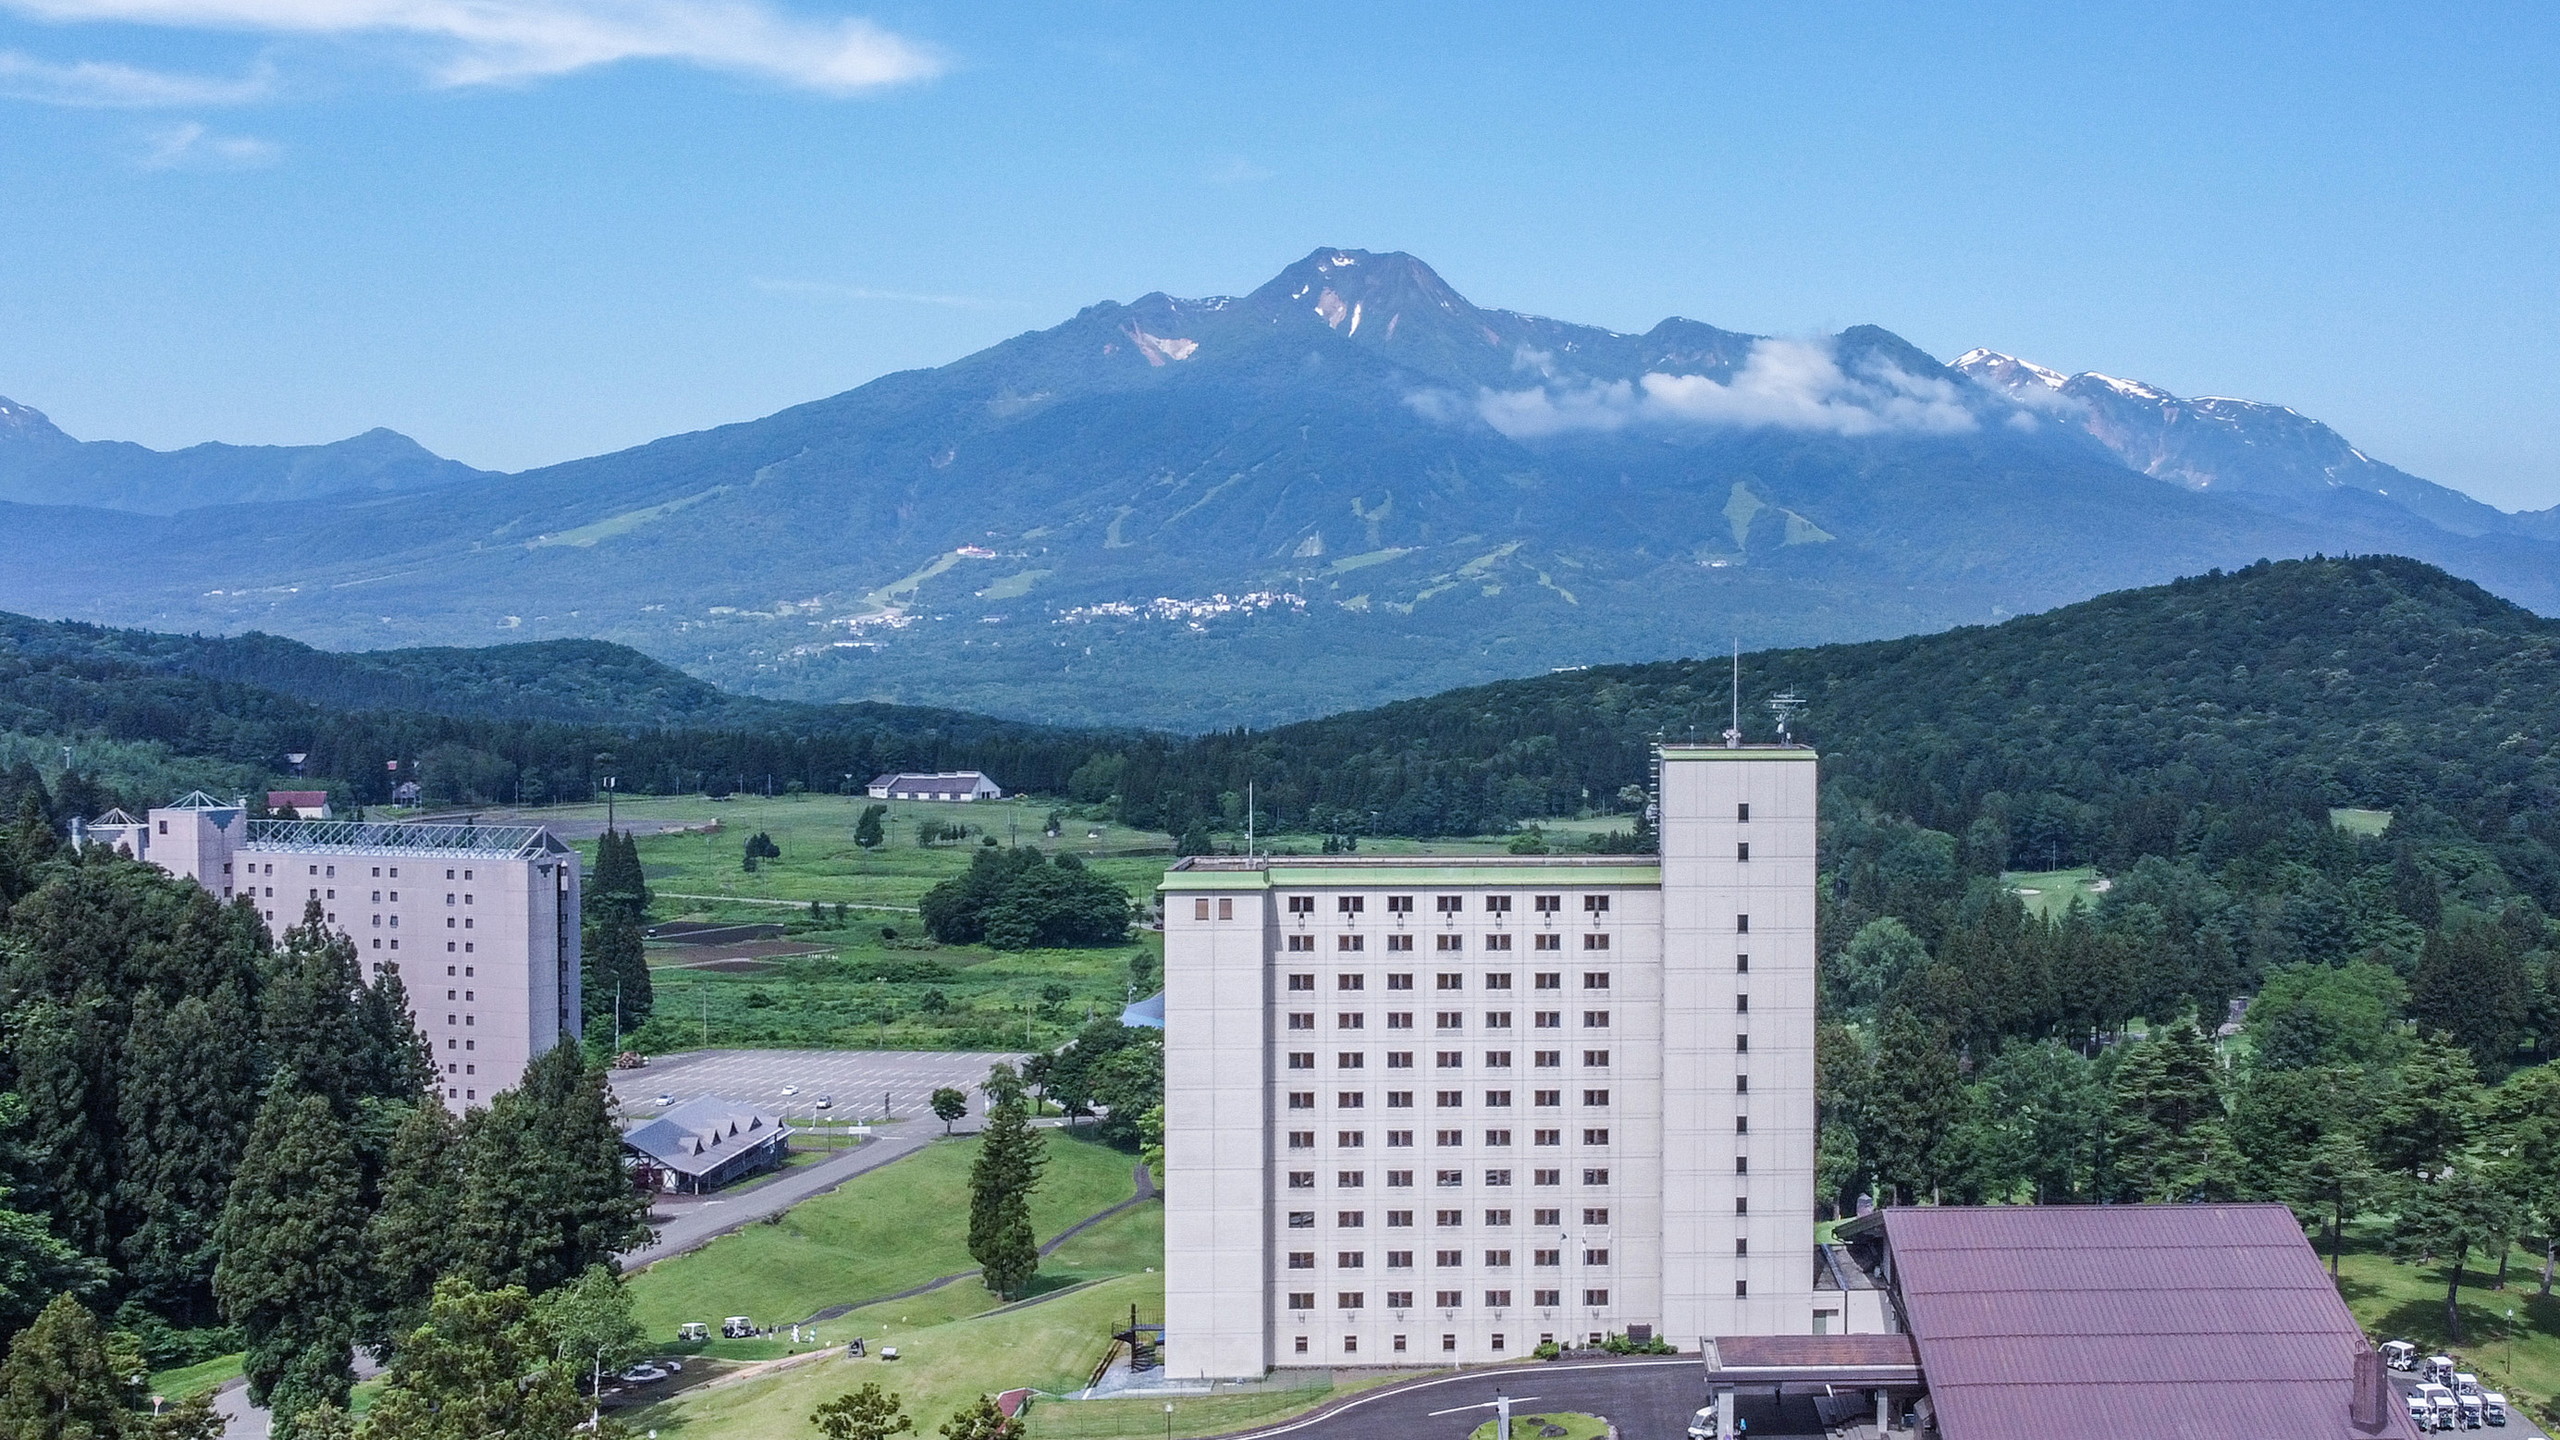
1497 1299
1447 981
1497 1259
1595 1297
1595 1177
1400 982
1595 1136
1497 1177
1546 1137
1350 982
1595 1059
1349 1060
1449 1298
1595 1257
1547 942
1546 1177
1595 1019
1302 1059
1399 904
1452 1137
1598 1216
1497 904
1302 982
1595 1097
1300 943
1350 942
1302 1179
1595 979
1497 1137
1302 904
1348 904
1450 904
1350 1100
1595 942
1399 1140
1400 942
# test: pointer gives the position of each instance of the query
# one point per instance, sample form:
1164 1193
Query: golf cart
692 1330
2472 1411
1702 1426
737 1327
2439 1369
2399 1355
2493 1407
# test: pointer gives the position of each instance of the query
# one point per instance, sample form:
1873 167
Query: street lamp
1168 1420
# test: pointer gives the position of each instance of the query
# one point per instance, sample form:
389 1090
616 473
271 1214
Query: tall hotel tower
1438 1111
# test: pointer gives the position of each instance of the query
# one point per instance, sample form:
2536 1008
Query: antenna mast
1733 737
1784 705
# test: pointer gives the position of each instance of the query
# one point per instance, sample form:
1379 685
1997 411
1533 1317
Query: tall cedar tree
483 1365
2170 1139
1011 1156
1912 1106
2449 1219
63 1380
183 1114
413 1238
544 1192
2427 1110
2472 988
614 973
293 1275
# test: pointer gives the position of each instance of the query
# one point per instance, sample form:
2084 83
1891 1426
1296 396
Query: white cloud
829 290
105 85
1783 384
190 146
478 42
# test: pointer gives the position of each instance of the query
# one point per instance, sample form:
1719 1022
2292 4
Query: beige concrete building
1440 1111
480 922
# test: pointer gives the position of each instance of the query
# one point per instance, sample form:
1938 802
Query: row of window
1453 1179
1447 1059
330 872
1403 1139
1450 1020
1441 1300
1440 1099
1448 904
1403 1219
1453 980
1445 944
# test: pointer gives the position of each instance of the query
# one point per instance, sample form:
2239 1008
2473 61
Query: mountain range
1348 485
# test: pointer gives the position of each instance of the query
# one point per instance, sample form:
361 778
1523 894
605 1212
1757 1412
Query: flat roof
1812 1360
1267 872
353 837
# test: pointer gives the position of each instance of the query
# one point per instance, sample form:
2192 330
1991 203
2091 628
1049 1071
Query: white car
665 1100
642 1375
822 1102
790 1090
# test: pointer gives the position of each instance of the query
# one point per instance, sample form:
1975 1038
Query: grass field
186 1380
1574 1424
2406 1302
880 1233
2049 893
2361 822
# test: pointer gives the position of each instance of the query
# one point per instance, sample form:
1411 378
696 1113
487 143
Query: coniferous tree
293 1275
398 1066
2427 1109
869 1413
57 1071
1913 1104
545 1194
2472 988
412 1239
868 831
980 1420
483 1365
184 1110
313 1025
614 971
63 1380
1010 1159
2450 1218
2170 1138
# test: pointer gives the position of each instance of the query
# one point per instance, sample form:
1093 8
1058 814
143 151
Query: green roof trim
1524 871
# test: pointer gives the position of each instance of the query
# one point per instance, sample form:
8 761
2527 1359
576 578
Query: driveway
1647 1398
857 1081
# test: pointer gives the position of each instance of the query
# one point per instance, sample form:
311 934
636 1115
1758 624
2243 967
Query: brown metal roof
2094 1322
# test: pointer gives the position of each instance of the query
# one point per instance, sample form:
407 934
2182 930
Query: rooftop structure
2093 1322
308 804
951 785
707 1141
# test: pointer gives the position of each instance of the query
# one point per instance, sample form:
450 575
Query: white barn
960 786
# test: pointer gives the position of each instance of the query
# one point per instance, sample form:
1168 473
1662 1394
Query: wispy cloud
191 146
830 290
103 84
480 42
1783 384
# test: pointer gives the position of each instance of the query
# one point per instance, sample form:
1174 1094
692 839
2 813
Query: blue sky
525 230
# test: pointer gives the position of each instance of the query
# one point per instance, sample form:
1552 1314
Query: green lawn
1049 1346
2049 893
186 1380
880 1233
1574 1424
2406 1302
2361 822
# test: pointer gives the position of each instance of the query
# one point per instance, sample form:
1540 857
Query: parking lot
790 1082
2518 1425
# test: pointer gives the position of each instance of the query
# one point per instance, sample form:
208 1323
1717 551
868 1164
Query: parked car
790 1090
642 1375
2399 1355
822 1102
665 1100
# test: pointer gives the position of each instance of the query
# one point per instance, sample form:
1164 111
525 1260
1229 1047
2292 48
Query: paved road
854 1079
1647 1399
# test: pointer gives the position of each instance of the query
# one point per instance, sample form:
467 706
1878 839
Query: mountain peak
27 425
1360 292
2007 373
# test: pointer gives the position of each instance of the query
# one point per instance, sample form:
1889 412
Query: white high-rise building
1442 1110
480 922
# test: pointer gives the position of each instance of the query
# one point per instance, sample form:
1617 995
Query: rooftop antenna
1248 853
1785 705
1733 737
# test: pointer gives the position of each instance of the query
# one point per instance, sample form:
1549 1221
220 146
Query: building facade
480 922
1441 1111
958 786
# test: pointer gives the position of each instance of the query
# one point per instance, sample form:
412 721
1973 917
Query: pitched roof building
706 1142
2093 1322
956 785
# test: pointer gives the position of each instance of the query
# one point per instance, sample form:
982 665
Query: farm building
305 804
954 785
706 1142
